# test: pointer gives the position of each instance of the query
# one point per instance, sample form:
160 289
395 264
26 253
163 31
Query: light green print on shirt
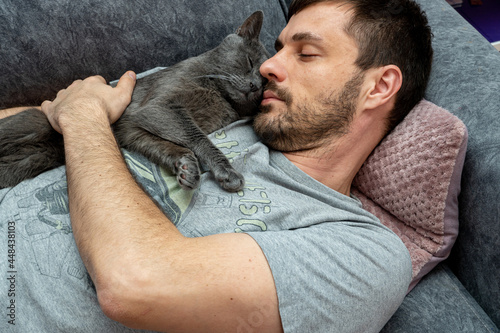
229 145
220 135
161 184
254 203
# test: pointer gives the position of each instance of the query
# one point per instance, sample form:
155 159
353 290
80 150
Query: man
293 251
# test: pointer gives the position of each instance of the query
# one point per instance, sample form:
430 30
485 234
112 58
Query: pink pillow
411 182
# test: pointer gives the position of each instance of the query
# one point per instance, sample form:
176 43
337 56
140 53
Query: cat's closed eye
250 63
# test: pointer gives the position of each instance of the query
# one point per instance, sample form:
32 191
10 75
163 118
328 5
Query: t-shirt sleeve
337 277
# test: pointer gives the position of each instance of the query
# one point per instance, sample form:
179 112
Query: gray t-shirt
335 266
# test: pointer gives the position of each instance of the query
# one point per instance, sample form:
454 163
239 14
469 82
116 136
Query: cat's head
237 67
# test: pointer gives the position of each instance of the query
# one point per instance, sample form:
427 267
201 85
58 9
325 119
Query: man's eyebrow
307 36
299 36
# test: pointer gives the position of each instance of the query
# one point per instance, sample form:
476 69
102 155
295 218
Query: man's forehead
318 22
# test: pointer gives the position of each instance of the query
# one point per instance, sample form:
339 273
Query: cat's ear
250 29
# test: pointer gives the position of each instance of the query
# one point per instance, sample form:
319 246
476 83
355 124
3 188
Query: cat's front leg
174 126
187 171
183 161
179 160
229 179
224 173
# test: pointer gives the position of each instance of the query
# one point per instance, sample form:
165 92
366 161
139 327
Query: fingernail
131 74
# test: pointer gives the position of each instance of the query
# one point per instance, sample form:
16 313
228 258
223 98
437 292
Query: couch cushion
411 182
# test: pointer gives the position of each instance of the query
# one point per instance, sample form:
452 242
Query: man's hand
91 98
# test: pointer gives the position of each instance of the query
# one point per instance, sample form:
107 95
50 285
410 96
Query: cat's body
168 119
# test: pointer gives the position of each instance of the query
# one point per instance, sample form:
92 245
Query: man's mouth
274 93
270 96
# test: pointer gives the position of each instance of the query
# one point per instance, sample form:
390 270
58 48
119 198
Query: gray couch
45 45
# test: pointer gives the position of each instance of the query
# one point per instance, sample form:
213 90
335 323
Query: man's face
313 82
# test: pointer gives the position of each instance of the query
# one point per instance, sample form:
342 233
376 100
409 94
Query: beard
307 124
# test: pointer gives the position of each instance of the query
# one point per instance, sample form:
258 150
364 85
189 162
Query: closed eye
250 63
308 52
306 56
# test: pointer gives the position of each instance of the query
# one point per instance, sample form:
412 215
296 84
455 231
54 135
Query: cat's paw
230 180
188 172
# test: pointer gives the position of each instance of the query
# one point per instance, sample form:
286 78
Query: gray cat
167 121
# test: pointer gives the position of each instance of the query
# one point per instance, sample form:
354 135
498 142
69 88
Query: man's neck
335 165
335 170
331 175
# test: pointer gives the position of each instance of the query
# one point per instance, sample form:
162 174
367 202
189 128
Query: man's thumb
127 82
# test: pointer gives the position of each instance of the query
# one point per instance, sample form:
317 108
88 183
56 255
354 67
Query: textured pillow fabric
411 182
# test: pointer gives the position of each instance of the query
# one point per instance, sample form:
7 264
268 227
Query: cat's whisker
215 76
236 80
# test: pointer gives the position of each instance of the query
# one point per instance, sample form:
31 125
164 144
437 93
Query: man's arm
12 111
147 274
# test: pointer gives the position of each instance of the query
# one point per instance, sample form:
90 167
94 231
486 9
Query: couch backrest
45 45
466 80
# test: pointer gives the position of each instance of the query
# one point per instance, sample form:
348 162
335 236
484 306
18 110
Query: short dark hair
389 32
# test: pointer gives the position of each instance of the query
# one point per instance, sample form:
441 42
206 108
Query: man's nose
273 68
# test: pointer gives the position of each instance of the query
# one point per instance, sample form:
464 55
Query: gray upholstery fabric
45 45
440 304
466 80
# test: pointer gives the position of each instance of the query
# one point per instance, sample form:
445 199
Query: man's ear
386 82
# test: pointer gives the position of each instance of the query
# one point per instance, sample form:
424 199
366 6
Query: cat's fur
167 121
